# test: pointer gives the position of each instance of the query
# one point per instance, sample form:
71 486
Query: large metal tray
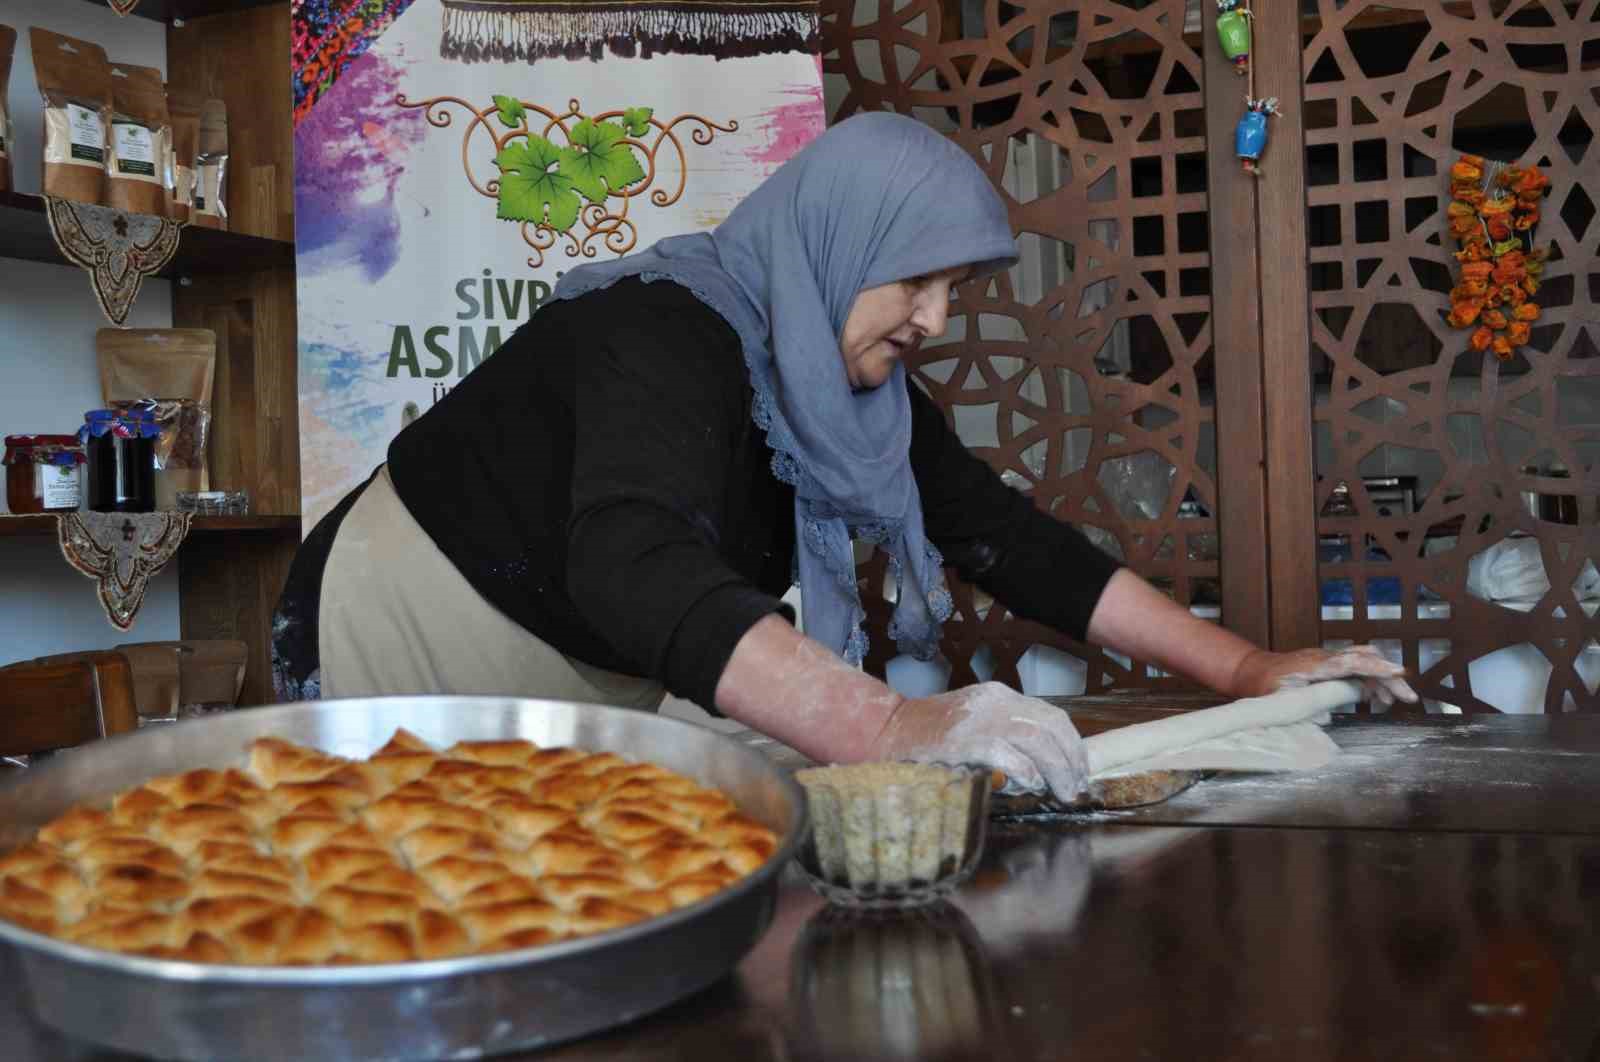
453 1008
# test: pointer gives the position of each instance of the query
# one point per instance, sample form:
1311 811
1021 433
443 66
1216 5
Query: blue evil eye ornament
1250 135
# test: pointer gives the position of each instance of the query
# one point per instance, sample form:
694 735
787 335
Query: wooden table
1435 897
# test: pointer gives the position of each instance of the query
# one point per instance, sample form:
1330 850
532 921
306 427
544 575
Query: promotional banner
453 158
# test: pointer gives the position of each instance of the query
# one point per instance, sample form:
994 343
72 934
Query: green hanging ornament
1233 31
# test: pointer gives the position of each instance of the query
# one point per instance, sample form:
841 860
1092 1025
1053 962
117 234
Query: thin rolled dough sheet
1296 747
1278 732
1146 763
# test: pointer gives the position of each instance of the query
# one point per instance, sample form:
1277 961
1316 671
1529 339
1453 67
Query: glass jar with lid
44 473
120 444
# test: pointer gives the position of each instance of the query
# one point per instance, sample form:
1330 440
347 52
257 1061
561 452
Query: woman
614 503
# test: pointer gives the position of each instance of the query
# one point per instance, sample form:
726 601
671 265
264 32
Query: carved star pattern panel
1457 494
1084 375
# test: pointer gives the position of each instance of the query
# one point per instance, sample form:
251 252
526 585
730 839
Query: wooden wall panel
255 427
229 585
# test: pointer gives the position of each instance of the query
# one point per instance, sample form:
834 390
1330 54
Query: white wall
48 318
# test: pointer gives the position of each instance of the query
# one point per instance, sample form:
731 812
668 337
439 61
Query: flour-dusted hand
1034 743
1263 672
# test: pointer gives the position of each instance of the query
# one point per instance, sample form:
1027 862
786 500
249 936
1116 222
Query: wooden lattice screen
1429 454
1085 375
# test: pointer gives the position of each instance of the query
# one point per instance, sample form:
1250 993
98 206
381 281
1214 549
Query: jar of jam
43 473
121 447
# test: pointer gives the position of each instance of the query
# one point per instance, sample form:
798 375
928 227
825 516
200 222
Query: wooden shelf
25 234
35 526
167 10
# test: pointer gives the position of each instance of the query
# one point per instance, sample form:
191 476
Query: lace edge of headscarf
916 639
919 640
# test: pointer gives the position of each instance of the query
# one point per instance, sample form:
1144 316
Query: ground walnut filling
304 858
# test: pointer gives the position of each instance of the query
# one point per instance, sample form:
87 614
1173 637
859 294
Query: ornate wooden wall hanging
1429 454
1085 375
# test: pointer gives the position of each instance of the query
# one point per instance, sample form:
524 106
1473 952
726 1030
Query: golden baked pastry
305 858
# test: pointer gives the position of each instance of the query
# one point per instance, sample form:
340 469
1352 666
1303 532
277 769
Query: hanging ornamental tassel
1250 136
1233 30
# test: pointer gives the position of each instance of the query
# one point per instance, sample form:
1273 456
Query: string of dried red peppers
1500 269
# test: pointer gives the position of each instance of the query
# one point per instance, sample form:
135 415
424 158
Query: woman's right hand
793 689
1034 743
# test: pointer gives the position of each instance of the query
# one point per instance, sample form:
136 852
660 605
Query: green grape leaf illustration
596 163
529 186
511 111
637 119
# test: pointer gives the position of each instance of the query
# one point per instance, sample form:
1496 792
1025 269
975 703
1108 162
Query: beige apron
395 616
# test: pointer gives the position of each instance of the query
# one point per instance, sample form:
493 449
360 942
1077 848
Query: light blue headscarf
875 199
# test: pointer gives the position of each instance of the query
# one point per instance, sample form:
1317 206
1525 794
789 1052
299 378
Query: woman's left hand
1262 672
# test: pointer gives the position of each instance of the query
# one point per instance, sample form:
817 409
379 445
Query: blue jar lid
124 423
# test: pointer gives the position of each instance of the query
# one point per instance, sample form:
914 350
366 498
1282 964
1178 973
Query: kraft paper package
136 148
74 78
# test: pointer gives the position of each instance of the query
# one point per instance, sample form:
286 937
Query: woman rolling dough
613 504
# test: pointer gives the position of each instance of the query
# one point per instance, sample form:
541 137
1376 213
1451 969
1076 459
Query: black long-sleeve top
599 480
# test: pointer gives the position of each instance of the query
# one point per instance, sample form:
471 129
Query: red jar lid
22 446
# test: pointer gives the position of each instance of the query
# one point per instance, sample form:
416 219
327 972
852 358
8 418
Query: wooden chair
60 701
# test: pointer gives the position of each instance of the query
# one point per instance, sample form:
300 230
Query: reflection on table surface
1103 941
